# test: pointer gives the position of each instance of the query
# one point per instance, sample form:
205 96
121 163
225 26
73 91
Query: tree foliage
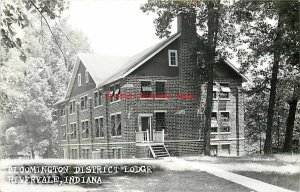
29 89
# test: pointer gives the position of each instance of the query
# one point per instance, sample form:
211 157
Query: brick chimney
188 126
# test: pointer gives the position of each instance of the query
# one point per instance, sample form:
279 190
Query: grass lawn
287 181
279 170
166 180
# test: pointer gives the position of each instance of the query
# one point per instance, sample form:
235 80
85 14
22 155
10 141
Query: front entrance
146 125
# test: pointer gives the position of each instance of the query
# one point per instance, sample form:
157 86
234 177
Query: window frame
85 132
146 94
164 127
99 128
170 51
79 80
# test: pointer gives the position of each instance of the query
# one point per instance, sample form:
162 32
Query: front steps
159 150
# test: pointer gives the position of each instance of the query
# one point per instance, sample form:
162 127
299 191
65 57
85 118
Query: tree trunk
272 99
287 147
212 25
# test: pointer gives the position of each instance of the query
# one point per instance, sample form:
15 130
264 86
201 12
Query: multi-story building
152 105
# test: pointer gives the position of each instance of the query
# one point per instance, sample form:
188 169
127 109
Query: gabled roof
101 67
106 69
139 59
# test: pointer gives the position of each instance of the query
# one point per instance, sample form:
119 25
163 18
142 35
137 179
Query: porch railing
158 136
144 136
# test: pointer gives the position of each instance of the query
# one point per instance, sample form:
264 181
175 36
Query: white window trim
86 102
74 106
100 117
66 129
160 111
76 136
86 138
79 79
176 57
87 78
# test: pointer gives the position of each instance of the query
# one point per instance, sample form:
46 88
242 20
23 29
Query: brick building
149 105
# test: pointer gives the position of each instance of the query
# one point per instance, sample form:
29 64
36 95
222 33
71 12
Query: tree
29 89
267 40
19 14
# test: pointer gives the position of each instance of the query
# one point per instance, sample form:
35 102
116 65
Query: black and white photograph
149 95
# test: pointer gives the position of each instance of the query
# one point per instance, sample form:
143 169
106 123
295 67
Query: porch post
163 135
147 135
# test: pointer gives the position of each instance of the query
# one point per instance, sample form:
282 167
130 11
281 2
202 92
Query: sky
114 27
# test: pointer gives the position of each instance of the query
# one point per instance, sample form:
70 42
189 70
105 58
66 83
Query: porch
150 137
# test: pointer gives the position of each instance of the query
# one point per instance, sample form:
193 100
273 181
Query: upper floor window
83 103
115 92
98 98
146 89
115 125
72 107
73 131
224 116
64 132
225 91
99 127
85 129
173 60
160 89
79 80
87 78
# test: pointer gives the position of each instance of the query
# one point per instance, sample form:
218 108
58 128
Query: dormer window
173 59
87 79
79 80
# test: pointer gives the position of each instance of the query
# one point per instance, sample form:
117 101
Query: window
112 124
83 103
98 98
120 153
200 60
73 131
115 93
160 89
99 127
87 78
225 129
214 122
74 153
225 90
173 60
215 90
99 153
79 80
114 153
118 124
117 153
225 122
214 116
63 132
85 129
161 121
224 116
85 153
115 125
146 89
72 107
63 111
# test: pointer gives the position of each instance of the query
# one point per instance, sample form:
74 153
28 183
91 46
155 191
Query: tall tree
18 14
29 89
264 24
